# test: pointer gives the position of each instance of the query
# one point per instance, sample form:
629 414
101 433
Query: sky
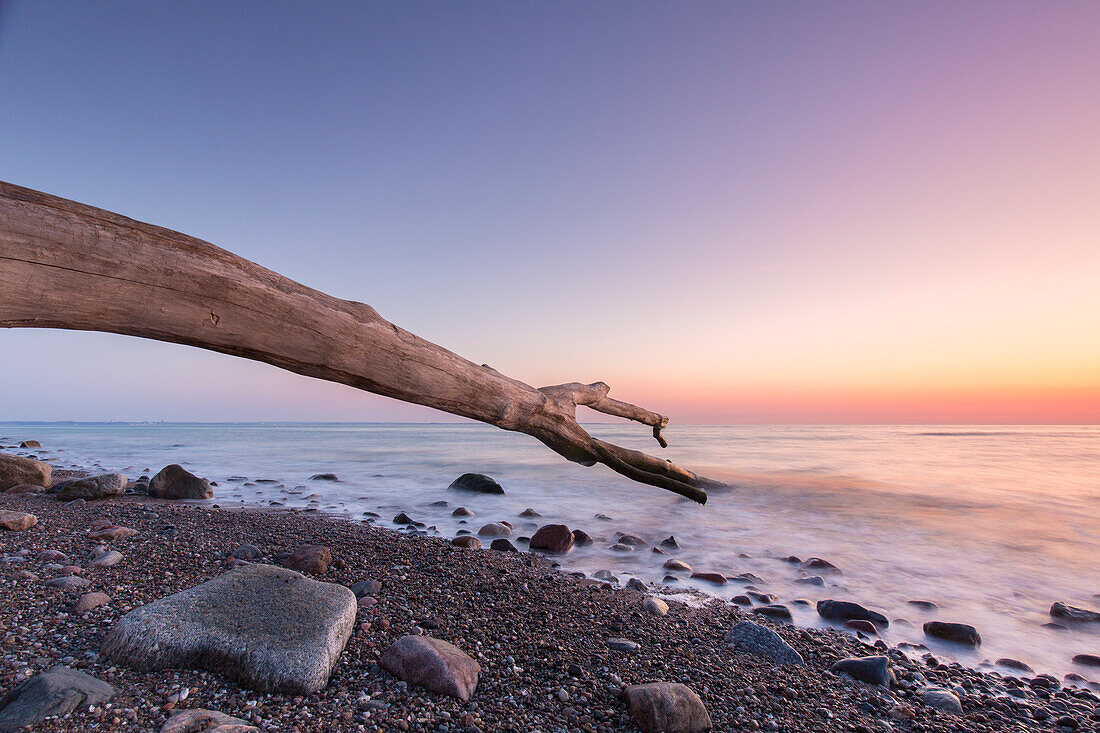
846 212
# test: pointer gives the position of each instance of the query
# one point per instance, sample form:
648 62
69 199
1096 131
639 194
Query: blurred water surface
991 523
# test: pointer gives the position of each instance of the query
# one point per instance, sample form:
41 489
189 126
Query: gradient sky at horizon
730 212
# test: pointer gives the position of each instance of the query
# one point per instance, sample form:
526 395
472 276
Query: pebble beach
552 651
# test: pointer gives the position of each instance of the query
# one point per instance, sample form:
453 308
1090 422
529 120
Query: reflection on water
993 524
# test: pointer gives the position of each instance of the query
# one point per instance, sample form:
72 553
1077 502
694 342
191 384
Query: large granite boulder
16 470
666 707
176 482
760 641
269 628
93 487
16 521
56 692
433 664
478 483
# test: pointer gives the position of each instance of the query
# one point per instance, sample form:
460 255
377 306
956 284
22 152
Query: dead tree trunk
68 265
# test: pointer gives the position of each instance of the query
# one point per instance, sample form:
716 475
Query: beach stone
859 624
51 556
269 628
30 444
247 552
402 518
310 559
1089 660
67 582
478 483
620 547
670 541
812 580
1073 613
529 512
25 489
848 611
16 521
580 537
637 584
501 544
774 611
495 529
462 512
634 541
176 482
623 645
433 664
760 641
552 538
716 578
941 699
368 587
207 721
654 606
16 470
111 533
468 541
674 564
93 487
324 477
89 601
107 559
56 692
666 707
960 633
927 605
872 670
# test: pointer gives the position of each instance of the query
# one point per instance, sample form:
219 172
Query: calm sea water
991 523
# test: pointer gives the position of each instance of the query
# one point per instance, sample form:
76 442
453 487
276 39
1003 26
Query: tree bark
68 265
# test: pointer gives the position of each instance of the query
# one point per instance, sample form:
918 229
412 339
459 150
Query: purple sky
731 212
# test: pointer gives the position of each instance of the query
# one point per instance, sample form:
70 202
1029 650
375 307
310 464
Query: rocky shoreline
552 651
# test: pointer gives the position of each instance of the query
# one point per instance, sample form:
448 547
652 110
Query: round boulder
478 483
552 538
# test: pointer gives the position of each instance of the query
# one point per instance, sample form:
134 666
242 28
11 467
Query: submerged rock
847 611
462 512
324 477
674 564
817 563
476 482
495 529
1073 613
960 633
552 538
716 578
1089 660
872 670
433 664
176 482
666 707
16 470
54 693
778 611
271 629
580 537
30 444
760 641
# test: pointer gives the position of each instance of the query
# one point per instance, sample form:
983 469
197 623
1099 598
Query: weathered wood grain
72 266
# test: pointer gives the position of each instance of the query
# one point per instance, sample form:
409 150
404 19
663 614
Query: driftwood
68 265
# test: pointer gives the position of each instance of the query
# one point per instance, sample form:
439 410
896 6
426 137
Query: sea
992 524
